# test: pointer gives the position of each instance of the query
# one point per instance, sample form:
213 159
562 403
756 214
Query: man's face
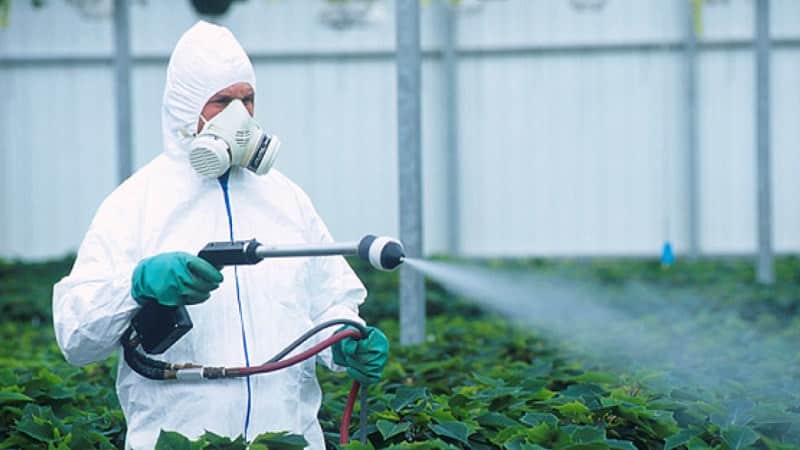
243 91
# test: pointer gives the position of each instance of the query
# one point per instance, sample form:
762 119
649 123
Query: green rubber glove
365 358
174 279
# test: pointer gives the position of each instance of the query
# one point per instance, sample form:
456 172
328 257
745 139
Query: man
139 249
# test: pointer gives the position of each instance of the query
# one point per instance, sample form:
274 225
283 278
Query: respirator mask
232 138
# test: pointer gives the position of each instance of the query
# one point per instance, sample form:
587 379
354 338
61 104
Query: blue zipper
223 182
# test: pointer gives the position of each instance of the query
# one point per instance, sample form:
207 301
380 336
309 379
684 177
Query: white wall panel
785 18
732 19
521 22
786 148
434 158
337 139
561 153
147 88
54 29
564 155
59 157
272 26
727 152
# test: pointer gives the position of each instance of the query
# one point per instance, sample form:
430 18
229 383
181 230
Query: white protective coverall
257 310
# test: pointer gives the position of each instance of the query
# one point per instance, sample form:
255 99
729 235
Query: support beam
409 151
122 87
692 154
452 198
471 53
765 269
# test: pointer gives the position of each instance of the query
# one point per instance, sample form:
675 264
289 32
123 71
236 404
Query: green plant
477 382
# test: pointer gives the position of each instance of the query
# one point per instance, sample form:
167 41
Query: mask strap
183 134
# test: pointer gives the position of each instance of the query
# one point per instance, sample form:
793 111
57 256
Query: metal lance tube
382 253
345 249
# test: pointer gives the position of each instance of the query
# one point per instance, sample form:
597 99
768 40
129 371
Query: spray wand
157 327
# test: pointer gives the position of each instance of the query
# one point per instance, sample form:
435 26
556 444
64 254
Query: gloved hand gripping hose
160 370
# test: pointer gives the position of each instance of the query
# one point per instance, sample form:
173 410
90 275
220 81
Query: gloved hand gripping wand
157 327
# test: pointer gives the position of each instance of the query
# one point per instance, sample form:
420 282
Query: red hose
270 367
344 429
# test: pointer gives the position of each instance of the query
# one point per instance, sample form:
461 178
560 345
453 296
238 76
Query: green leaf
171 440
431 444
493 393
520 444
581 390
356 445
537 418
543 394
738 437
591 446
540 434
696 443
213 441
453 430
488 381
585 434
390 429
12 397
40 423
680 438
37 428
279 441
620 445
387 414
496 420
508 434
734 412
407 396
575 411
597 377
443 415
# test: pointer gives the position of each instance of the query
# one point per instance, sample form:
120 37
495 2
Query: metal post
452 178
122 86
765 266
692 154
409 143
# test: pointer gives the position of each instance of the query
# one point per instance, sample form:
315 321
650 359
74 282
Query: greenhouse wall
571 122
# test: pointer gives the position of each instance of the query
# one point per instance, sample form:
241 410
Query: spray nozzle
383 253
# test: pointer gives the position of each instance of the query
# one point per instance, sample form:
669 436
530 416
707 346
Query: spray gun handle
159 327
227 253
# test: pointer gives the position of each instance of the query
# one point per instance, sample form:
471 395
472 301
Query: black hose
156 370
308 334
141 364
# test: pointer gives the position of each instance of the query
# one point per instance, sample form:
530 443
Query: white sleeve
92 305
336 290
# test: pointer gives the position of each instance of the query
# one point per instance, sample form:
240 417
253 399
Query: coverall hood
207 59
